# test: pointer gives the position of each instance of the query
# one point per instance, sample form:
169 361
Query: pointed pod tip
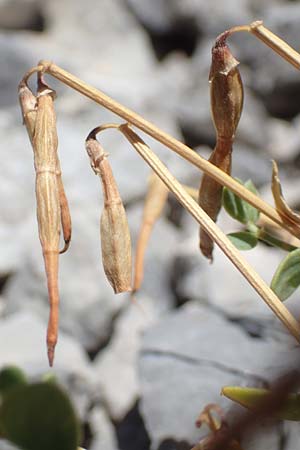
51 352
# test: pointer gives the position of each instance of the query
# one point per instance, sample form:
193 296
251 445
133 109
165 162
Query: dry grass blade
172 143
48 205
281 205
155 201
278 45
214 232
114 230
226 94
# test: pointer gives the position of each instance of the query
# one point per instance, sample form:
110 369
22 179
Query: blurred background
139 373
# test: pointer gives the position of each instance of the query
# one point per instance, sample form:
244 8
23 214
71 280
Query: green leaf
39 417
243 240
237 207
10 377
287 276
251 212
251 398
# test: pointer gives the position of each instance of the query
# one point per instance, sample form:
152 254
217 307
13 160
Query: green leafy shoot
243 240
251 398
287 276
238 208
39 416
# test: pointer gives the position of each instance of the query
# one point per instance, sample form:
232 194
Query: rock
283 144
185 371
102 430
5 445
16 14
25 347
115 366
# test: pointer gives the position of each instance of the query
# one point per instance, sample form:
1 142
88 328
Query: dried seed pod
226 93
281 206
114 229
28 102
226 90
155 201
48 206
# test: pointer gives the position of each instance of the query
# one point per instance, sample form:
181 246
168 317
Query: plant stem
214 232
175 145
263 235
275 43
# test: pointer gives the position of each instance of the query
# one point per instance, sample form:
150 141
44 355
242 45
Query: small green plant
36 416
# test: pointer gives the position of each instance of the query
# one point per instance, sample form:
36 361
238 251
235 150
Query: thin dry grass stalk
172 143
155 201
226 96
279 46
214 232
114 229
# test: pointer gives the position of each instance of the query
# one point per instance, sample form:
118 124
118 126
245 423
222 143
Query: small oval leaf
251 398
287 276
39 416
252 213
237 207
243 240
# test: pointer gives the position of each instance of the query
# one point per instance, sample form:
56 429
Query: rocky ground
139 374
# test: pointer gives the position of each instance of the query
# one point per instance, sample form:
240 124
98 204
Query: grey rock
161 16
18 14
283 143
102 430
232 294
115 366
25 347
183 371
5 445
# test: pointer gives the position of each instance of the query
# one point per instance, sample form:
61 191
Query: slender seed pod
48 206
155 201
28 102
114 229
226 94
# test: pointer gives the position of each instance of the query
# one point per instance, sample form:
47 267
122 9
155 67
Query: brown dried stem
172 143
214 232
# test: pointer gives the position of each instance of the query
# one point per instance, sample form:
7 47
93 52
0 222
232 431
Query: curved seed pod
155 201
226 94
114 229
281 206
48 205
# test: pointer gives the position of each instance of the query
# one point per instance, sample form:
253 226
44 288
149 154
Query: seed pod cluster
155 201
226 95
114 229
52 206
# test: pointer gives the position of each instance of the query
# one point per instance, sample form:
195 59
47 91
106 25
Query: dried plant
227 101
114 229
